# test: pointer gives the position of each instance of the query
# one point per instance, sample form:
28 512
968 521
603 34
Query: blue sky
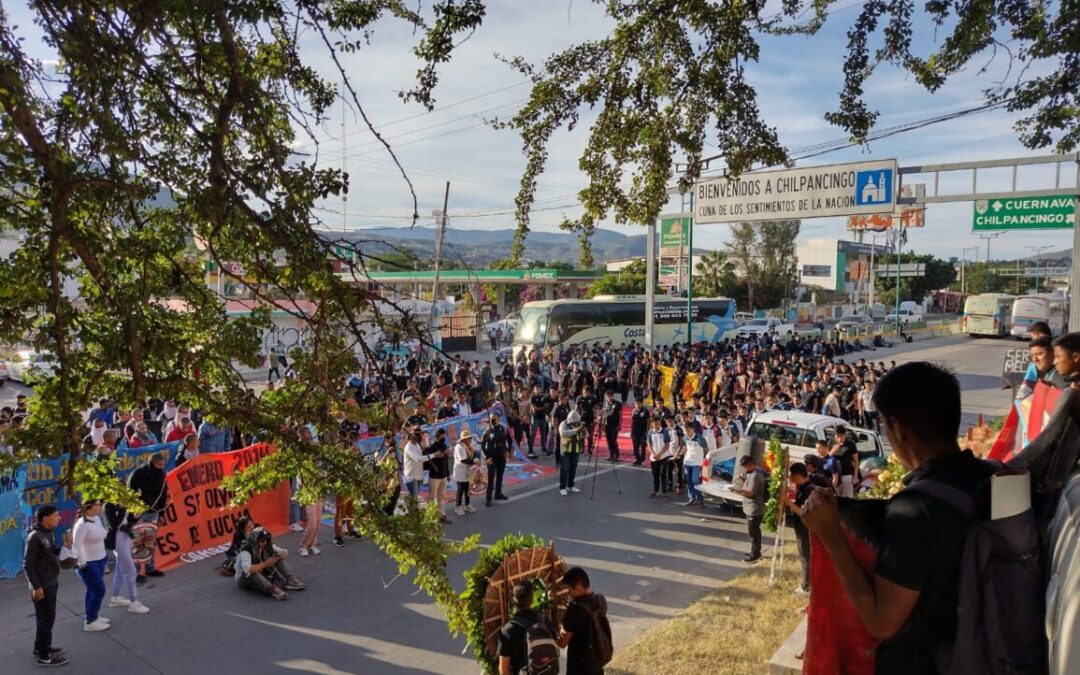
797 80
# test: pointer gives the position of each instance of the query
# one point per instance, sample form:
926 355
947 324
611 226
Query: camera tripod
591 464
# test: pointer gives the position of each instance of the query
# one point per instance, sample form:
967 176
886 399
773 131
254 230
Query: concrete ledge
783 661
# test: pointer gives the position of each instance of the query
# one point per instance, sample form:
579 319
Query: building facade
837 265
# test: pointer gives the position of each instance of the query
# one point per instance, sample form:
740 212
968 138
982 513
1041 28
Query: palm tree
715 275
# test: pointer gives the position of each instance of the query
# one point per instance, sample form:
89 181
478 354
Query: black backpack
541 647
600 649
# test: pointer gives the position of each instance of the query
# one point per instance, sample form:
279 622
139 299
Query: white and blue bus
988 314
620 319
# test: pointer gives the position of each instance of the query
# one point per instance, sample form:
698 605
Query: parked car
796 431
766 325
27 362
906 316
855 321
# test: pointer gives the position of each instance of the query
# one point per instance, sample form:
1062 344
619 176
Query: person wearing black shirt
513 648
541 407
495 444
639 430
804 482
585 615
586 407
612 420
848 455
438 467
910 601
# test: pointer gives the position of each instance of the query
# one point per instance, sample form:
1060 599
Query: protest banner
199 522
14 521
44 479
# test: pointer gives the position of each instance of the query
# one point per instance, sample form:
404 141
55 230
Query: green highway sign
1025 213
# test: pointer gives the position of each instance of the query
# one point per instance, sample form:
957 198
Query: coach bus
988 314
1027 309
620 319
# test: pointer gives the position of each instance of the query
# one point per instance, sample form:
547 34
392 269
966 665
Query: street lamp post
963 265
1038 262
986 272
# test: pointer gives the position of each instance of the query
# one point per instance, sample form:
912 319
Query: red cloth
837 643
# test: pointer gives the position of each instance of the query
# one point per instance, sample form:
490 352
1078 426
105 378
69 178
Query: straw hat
465 435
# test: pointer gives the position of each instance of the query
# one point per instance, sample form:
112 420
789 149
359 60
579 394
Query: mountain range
476 248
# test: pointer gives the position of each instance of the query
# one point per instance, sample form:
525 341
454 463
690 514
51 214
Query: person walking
495 444
464 458
753 488
88 538
42 561
125 590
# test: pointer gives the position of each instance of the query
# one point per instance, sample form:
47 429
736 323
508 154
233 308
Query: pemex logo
982 206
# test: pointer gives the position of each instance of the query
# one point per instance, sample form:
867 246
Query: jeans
124 575
540 423
413 486
753 526
260 581
802 536
45 616
495 472
693 478
93 576
568 469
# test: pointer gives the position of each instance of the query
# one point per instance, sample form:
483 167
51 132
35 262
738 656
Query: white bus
559 323
988 314
1027 309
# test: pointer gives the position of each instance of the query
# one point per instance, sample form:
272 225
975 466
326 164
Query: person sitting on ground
244 526
261 567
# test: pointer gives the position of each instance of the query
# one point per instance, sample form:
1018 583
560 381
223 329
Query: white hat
573 417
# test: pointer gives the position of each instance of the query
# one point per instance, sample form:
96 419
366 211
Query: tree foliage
715 276
939 274
630 280
765 255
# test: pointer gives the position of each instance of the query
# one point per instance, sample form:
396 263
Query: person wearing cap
751 485
571 436
261 567
464 458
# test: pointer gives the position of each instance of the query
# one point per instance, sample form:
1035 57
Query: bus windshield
533 326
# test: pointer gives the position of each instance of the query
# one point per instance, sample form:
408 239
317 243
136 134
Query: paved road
360 617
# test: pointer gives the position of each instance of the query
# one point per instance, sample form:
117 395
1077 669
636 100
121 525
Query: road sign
1015 366
906 270
812 192
674 234
907 216
1024 213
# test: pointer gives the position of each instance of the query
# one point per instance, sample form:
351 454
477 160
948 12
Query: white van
797 431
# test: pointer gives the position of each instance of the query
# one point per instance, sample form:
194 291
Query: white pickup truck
766 325
798 432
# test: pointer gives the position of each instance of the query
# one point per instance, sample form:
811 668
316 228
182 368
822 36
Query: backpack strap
954 497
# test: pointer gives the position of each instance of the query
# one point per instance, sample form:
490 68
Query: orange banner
198 523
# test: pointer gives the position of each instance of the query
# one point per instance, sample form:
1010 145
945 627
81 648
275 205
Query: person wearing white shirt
692 461
88 544
660 440
464 458
414 464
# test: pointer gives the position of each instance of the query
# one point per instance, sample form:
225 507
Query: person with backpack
933 603
585 630
527 643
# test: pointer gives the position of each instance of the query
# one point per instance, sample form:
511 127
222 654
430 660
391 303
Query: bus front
532 328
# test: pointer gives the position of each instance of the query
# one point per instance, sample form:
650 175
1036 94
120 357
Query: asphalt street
359 616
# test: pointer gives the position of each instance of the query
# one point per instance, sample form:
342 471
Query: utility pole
440 234
963 265
1038 262
986 272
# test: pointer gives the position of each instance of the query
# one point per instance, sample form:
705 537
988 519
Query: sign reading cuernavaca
812 192
1024 213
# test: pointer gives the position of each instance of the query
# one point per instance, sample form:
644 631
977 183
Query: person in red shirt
180 430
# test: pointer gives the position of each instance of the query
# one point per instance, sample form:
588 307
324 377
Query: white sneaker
314 550
302 552
95 626
104 619
296 527
798 592
138 608
119 601
459 511
470 508
563 492
575 490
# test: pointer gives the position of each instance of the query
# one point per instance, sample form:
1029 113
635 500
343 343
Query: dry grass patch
733 630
